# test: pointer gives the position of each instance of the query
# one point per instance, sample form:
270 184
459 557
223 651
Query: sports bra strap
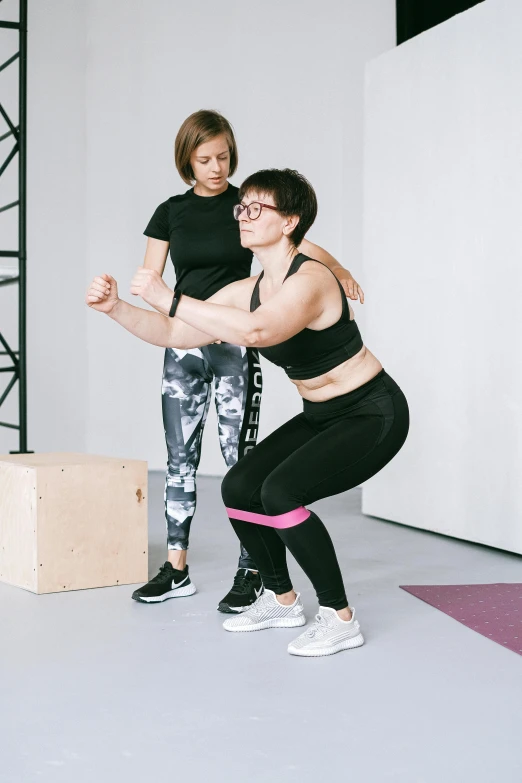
297 261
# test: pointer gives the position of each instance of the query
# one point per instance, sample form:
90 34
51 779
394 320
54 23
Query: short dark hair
292 194
200 127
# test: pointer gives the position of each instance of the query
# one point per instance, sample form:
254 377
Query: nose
216 166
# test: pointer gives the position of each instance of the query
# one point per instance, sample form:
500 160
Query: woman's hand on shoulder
351 287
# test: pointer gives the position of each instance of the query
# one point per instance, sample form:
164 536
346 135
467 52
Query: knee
233 489
276 497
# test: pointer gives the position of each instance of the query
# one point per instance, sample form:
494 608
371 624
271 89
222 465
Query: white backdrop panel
443 187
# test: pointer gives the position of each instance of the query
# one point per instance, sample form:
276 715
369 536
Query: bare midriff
344 378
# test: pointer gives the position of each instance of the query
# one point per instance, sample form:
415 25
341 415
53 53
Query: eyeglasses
253 210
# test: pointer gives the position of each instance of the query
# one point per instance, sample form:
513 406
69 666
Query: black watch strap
175 303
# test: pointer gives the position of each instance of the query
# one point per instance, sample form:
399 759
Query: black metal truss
17 365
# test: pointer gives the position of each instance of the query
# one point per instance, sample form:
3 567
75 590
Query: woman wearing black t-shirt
199 229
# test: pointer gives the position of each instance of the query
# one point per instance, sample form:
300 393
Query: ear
289 225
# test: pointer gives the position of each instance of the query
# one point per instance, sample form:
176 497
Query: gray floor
96 688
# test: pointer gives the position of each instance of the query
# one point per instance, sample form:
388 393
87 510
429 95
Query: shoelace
259 606
320 627
241 582
165 573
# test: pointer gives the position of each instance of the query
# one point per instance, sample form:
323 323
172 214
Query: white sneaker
267 612
328 635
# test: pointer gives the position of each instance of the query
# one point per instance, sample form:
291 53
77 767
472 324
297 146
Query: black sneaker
245 591
169 583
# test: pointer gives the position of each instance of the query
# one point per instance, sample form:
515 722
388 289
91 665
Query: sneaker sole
280 622
182 592
348 644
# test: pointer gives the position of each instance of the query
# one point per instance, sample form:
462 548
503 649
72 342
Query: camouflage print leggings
188 377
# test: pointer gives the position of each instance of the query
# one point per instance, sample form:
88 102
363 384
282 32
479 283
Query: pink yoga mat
494 611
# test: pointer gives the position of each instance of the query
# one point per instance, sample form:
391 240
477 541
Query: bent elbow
253 338
262 339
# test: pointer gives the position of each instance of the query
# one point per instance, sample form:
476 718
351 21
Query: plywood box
72 521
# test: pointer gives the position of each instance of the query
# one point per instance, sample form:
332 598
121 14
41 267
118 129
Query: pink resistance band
290 519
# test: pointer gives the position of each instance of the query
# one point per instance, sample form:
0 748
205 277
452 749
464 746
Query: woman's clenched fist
149 284
102 294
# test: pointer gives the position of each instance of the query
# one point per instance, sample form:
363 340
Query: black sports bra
310 353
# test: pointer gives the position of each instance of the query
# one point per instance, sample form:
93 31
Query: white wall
442 263
289 75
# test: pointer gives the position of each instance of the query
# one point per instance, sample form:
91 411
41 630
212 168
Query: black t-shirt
204 241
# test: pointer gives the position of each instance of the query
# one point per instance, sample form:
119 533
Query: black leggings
329 448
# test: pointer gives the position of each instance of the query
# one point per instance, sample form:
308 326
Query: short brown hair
200 127
292 194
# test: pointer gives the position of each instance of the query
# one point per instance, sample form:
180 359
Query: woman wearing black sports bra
355 418
199 231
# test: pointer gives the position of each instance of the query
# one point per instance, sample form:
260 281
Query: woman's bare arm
155 328
156 255
155 260
302 300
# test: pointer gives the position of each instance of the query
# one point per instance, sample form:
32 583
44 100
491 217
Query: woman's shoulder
247 284
165 205
315 269
313 279
190 197
179 198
